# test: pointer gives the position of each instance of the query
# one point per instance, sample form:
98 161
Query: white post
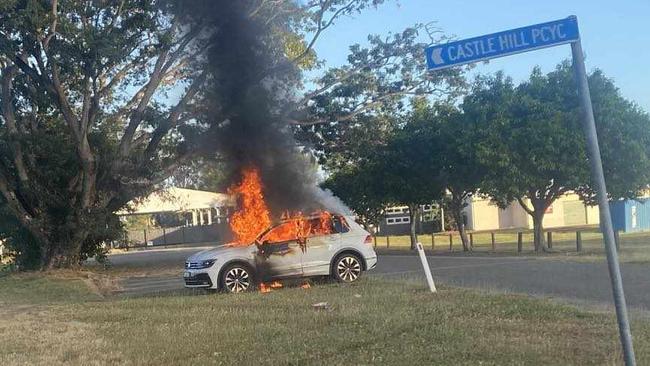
442 218
209 216
427 270
195 218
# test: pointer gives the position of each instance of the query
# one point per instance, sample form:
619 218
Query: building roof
175 199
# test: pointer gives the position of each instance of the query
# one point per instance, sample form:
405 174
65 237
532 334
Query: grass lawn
634 247
54 320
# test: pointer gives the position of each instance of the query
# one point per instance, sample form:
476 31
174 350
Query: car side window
318 227
340 225
282 233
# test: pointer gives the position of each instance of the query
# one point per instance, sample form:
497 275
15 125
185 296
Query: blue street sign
503 43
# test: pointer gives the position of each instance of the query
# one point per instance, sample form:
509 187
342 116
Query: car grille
193 265
201 279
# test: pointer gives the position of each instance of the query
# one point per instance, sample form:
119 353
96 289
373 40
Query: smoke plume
247 95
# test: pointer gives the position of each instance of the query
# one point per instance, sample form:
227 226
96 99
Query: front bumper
195 280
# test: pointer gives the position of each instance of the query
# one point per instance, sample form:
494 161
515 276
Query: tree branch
9 116
175 114
46 42
523 205
147 93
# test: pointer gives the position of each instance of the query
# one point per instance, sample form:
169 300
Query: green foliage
102 101
624 137
533 146
359 103
359 190
404 168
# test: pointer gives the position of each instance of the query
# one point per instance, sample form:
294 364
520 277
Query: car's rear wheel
347 268
237 278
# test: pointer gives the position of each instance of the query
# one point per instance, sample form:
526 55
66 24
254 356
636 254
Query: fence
570 239
154 236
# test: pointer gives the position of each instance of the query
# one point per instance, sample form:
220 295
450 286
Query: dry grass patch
51 336
372 322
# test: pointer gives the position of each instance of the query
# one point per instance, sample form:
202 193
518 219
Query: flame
253 216
268 287
264 288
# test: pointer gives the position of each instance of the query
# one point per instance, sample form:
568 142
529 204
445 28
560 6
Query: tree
203 173
358 189
362 102
404 169
532 142
103 101
455 137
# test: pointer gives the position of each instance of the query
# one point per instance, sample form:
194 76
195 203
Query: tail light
368 239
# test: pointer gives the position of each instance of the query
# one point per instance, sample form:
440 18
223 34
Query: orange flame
264 288
253 216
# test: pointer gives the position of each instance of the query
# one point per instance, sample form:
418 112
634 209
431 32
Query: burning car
322 244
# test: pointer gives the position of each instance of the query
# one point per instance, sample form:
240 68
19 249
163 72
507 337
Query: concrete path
573 281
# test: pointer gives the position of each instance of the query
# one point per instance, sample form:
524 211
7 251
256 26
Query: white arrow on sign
436 56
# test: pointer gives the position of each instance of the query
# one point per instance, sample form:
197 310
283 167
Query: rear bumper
371 262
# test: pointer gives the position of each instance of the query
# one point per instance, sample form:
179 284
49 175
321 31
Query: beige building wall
482 214
513 216
568 210
593 215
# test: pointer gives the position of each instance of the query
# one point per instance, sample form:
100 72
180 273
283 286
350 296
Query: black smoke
250 79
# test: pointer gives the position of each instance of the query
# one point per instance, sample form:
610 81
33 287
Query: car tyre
236 278
347 268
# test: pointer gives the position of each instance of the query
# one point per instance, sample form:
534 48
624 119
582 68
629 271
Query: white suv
344 253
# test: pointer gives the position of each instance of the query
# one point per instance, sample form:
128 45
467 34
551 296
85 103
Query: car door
319 249
279 254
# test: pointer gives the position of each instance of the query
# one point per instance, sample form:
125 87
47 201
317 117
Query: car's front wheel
237 278
347 268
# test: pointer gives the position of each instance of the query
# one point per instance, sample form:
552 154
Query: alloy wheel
348 269
237 280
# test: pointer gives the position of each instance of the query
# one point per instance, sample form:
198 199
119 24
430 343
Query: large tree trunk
537 211
538 231
460 225
65 253
414 211
456 206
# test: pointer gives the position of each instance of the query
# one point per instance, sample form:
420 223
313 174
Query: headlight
207 263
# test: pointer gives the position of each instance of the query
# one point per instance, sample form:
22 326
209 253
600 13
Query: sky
615 34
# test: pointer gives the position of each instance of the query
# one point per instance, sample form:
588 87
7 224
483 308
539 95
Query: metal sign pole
598 178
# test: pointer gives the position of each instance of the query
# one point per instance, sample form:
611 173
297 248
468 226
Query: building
178 215
195 207
397 221
631 215
568 210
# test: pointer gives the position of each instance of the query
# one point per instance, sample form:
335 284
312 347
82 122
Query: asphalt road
565 280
